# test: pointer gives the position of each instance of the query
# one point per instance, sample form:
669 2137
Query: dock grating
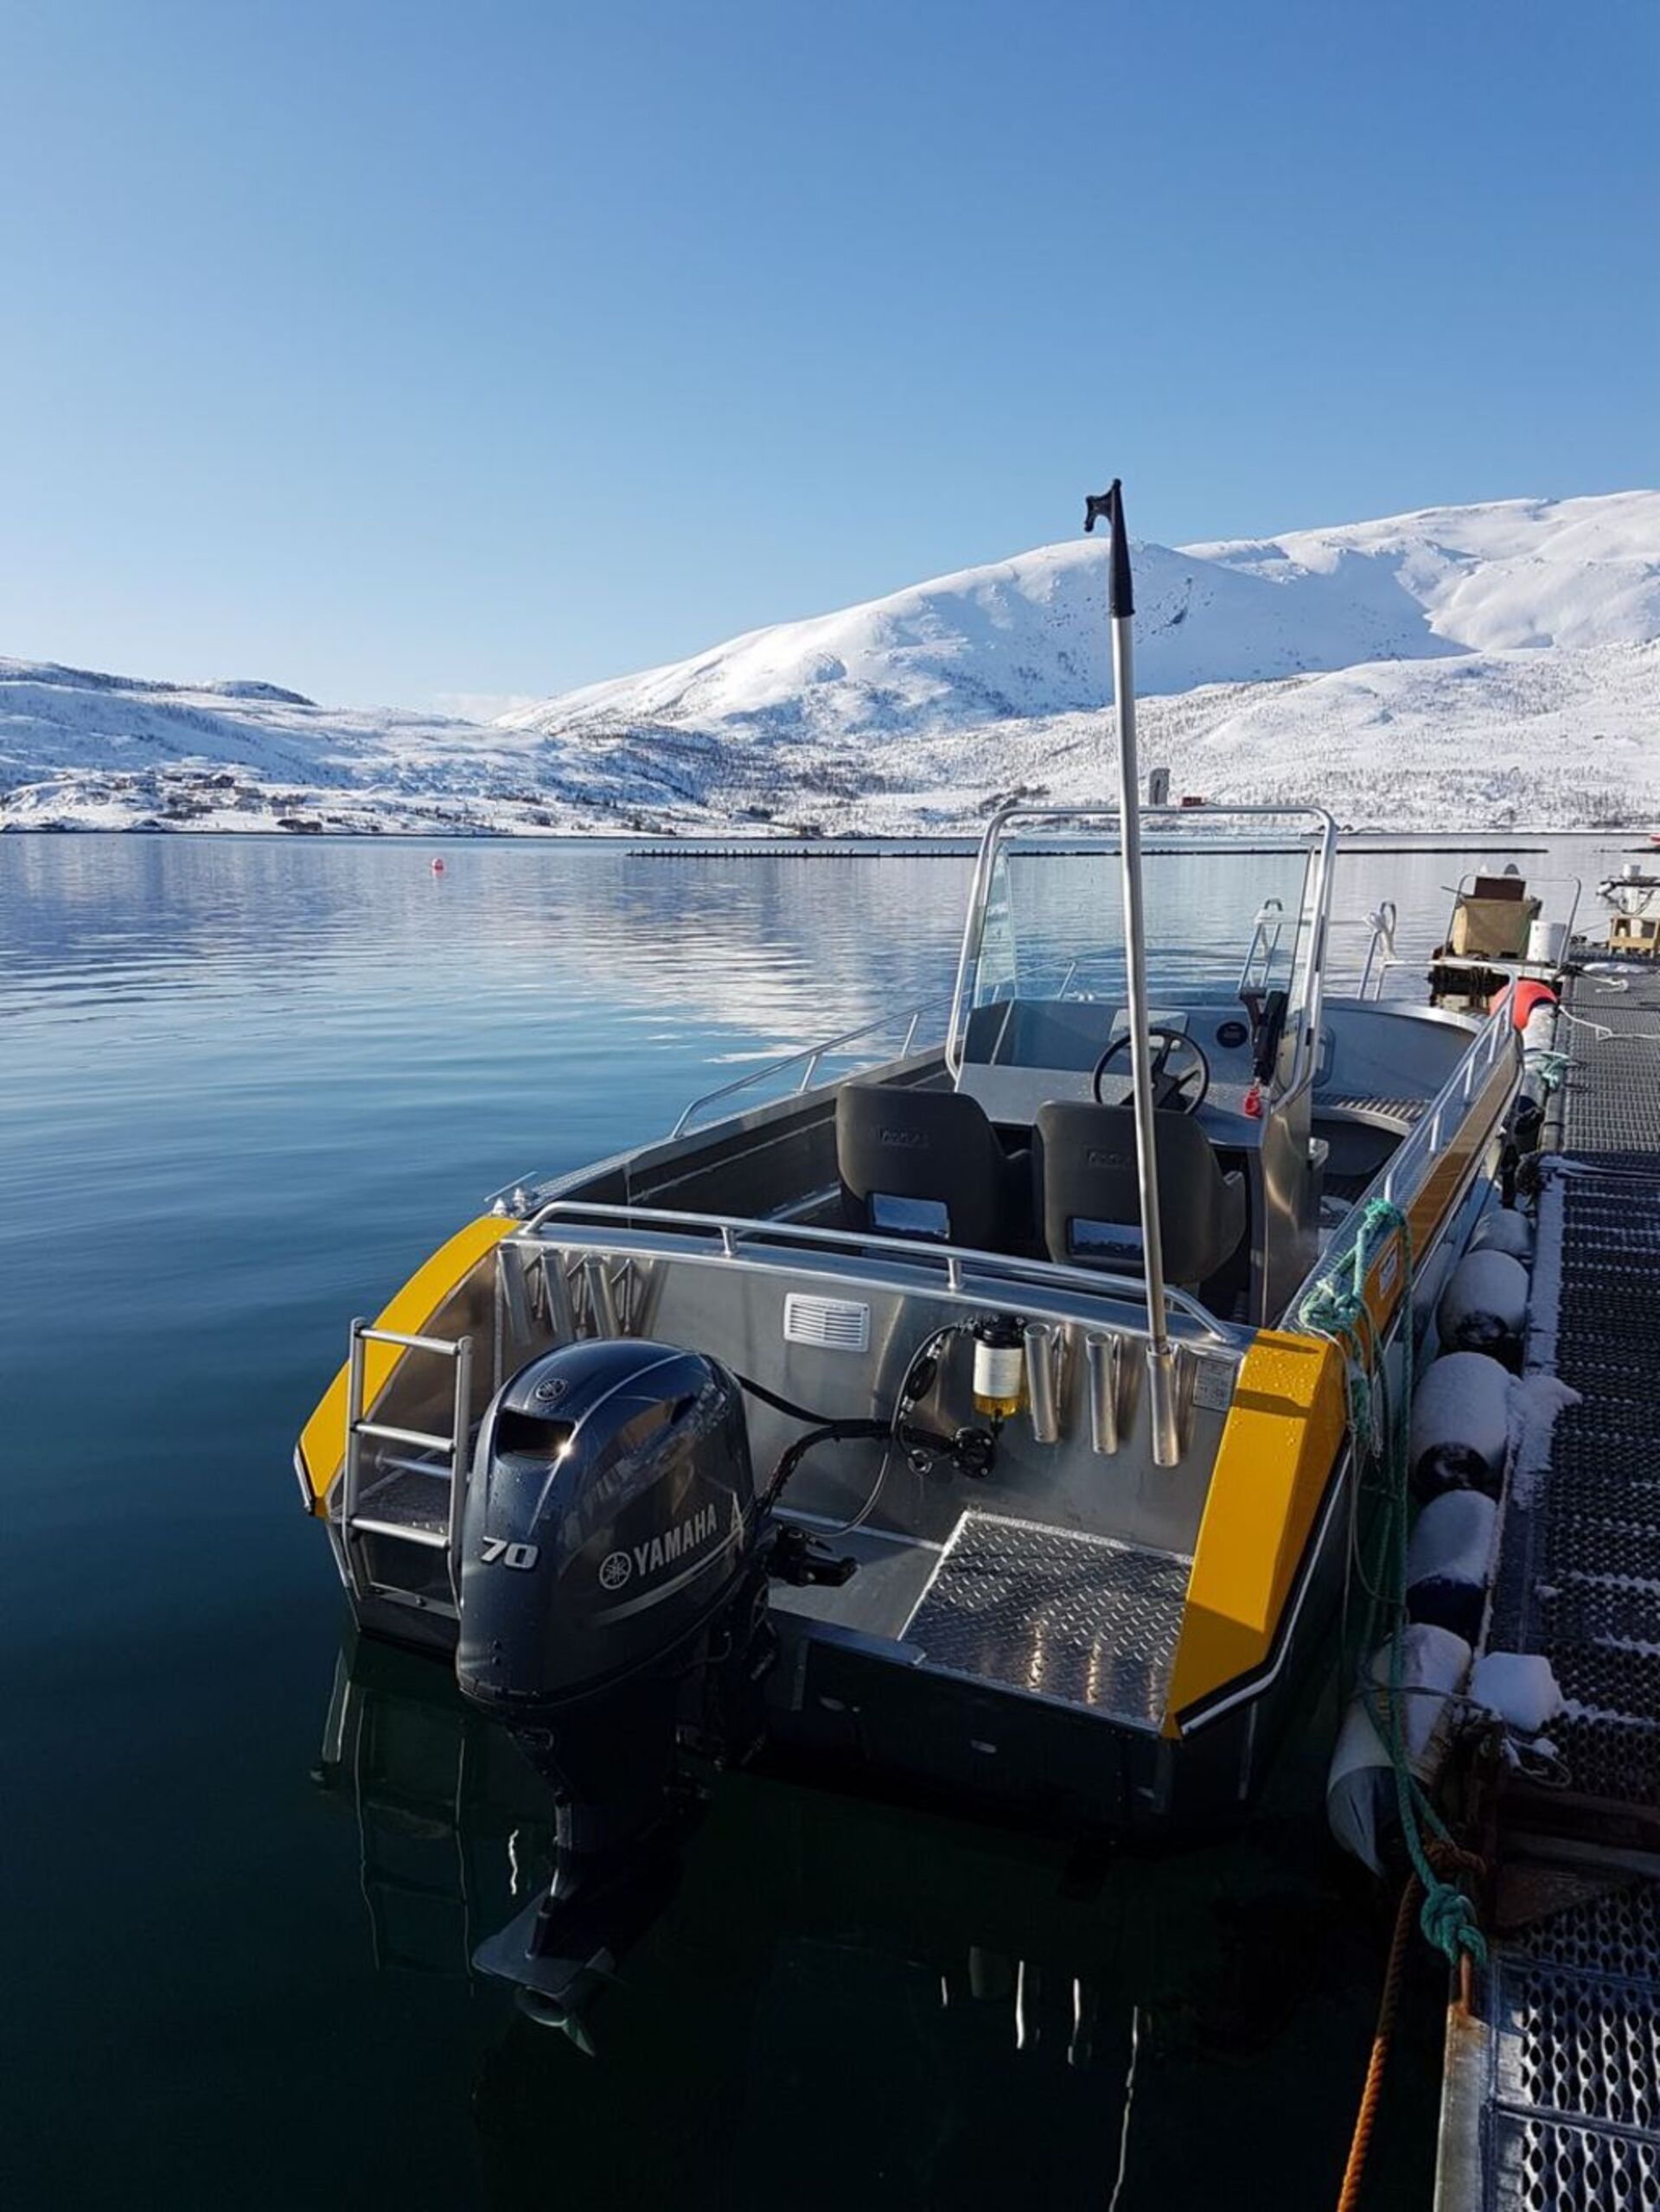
1561 2111
1544 2162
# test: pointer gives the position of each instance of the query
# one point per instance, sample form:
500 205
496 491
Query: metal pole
460 1465
1161 1353
356 1578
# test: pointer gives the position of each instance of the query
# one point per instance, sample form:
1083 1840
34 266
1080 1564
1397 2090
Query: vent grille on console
833 1324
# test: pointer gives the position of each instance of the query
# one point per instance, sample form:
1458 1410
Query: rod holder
1170 1394
515 1296
601 1302
1045 1342
1103 1358
556 1291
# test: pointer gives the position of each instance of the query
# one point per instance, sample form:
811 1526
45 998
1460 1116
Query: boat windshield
1227 907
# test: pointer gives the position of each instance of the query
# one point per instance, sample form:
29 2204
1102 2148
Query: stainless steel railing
811 1057
1405 1173
761 1243
1415 1152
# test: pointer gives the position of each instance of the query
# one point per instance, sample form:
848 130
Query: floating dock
1551 2099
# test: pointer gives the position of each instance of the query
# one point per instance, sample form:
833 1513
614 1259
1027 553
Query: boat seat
1090 1200
927 1164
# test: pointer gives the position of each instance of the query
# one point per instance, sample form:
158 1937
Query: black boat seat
929 1164
1089 1196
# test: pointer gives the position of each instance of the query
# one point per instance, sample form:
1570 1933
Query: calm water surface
245 1086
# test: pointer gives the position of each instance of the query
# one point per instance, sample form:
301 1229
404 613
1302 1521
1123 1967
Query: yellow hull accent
1280 1445
322 1441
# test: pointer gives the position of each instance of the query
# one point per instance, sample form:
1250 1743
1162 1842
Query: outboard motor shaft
609 1545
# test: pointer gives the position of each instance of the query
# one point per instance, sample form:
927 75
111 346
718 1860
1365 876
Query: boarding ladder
445 1460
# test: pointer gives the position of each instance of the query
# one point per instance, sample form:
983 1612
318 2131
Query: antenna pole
1121 606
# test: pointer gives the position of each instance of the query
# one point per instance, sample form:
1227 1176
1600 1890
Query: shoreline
730 845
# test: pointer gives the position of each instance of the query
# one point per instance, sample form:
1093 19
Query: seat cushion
1090 1195
925 1163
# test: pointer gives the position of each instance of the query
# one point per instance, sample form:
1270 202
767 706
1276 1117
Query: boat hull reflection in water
850 2002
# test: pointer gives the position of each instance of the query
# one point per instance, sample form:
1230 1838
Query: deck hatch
1080 1619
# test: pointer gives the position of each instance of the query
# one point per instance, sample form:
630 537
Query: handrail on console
812 1055
735 1231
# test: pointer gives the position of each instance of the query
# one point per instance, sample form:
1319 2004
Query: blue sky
394 351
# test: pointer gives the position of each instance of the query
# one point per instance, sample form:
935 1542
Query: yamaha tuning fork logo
689 1534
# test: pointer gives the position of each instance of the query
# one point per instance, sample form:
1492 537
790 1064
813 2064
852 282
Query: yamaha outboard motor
610 1583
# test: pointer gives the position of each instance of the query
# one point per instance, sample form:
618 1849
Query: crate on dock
1491 920
1635 933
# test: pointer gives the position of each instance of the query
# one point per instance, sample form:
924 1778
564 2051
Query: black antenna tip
1109 506
1099 507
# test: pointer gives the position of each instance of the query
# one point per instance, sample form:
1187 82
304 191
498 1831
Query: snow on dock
1552 2093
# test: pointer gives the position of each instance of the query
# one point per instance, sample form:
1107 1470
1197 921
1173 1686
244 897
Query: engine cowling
612 1588
610 1514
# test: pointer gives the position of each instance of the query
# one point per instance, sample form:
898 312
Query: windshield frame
1318 842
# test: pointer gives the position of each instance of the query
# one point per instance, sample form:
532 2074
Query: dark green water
245 1086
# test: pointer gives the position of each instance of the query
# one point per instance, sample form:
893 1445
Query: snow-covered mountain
1026 636
1478 665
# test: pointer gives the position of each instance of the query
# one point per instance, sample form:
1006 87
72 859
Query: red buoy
1526 994
438 868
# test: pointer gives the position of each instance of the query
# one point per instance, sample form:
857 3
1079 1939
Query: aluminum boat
569 1451
967 1416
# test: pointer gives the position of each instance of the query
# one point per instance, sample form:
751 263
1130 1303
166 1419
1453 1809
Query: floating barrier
1450 1560
1362 1799
1484 1306
1460 1434
1501 1229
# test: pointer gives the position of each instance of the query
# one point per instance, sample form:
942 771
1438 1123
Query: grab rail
1266 933
1406 1172
812 1055
1382 922
735 1231
1458 1089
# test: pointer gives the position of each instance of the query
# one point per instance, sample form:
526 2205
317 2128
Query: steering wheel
1186 1092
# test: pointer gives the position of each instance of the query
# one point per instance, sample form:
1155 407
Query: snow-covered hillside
1481 664
1026 636
79 750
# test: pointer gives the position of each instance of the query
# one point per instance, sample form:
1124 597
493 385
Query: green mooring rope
1336 1308
1549 1067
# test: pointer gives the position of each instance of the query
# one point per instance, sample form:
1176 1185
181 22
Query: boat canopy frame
1320 843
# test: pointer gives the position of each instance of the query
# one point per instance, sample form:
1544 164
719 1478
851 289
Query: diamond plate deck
409 1496
1080 1619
